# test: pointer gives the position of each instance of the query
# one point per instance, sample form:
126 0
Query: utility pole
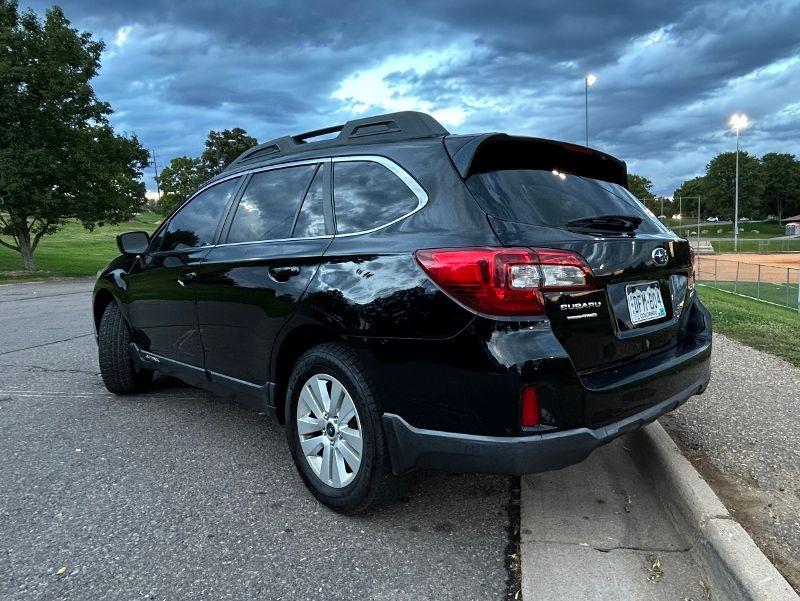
155 168
698 223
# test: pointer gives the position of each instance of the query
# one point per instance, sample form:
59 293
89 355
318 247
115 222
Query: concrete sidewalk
598 531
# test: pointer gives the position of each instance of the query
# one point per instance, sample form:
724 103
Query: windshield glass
552 199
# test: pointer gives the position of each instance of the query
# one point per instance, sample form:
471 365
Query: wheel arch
290 348
102 298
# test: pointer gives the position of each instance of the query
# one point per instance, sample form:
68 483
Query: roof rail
405 125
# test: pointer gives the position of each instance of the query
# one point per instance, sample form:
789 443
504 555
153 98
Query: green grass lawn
780 294
757 246
73 251
764 229
762 326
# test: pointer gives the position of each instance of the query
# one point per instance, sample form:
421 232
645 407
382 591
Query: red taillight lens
529 412
504 281
693 275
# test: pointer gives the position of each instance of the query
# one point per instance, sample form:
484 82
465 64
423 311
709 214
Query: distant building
793 228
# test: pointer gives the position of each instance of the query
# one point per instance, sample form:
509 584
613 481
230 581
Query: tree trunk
25 247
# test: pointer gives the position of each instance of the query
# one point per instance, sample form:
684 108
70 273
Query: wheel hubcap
329 430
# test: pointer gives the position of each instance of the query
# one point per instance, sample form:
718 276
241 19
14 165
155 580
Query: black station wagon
404 298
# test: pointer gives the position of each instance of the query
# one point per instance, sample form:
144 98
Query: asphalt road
178 495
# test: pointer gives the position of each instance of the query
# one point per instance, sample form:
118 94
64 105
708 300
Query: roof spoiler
495 152
405 125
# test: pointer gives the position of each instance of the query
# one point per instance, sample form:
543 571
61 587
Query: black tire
116 361
374 483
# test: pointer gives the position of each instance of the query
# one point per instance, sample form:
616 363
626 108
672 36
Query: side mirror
133 243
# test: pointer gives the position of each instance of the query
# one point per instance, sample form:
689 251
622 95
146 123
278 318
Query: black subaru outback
403 298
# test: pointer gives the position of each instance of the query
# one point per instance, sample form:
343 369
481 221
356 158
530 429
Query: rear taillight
693 274
505 281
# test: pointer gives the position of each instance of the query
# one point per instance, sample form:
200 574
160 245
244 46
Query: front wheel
116 360
335 433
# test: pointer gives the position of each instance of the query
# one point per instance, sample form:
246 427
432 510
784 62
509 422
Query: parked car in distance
399 298
713 219
743 219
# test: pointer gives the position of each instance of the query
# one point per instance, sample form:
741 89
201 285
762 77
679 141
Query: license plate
644 302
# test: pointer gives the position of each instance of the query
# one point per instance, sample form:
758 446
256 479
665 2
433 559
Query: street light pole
588 81
737 122
736 199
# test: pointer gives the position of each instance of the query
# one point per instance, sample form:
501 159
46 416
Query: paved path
744 435
178 495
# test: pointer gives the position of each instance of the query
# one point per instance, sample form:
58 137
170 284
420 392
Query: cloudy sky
670 73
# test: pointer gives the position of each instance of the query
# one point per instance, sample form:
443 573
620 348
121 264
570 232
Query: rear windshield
552 199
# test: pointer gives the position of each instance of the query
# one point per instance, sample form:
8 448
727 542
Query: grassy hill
74 251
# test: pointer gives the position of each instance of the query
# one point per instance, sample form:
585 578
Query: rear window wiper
606 223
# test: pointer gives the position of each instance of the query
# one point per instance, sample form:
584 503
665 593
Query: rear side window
367 195
269 204
196 223
552 199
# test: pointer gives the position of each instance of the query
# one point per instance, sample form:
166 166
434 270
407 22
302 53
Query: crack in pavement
37 297
609 549
50 369
27 348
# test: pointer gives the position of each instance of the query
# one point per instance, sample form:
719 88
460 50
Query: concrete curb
736 566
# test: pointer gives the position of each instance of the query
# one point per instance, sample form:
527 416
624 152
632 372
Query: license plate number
645 302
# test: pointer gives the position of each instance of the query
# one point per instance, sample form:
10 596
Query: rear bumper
411 447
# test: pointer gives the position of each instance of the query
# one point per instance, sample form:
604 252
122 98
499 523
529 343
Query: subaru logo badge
660 256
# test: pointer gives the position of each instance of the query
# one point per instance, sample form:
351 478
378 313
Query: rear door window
269 204
368 195
552 199
196 223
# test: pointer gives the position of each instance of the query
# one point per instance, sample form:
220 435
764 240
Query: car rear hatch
544 194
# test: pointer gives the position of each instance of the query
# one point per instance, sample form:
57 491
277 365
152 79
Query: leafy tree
178 180
691 189
59 157
781 184
183 175
222 147
720 185
640 187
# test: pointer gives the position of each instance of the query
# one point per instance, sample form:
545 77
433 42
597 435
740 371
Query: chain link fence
777 285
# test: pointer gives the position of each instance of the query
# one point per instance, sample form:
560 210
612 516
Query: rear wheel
116 360
335 432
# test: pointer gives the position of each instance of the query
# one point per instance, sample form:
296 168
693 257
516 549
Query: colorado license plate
645 302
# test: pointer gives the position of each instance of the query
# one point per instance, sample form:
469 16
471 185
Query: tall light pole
589 81
737 122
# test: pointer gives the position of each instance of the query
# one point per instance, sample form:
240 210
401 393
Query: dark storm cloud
670 73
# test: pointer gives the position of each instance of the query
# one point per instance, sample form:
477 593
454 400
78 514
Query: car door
249 284
160 293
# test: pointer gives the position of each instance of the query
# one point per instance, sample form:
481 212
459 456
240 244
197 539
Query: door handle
283 273
187 277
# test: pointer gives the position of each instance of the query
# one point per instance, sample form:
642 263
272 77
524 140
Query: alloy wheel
329 430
